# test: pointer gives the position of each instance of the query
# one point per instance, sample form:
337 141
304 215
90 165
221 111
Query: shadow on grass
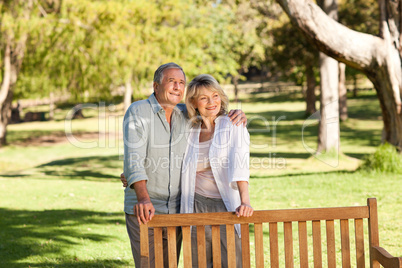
359 156
296 132
95 167
273 97
281 154
275 117
361 137
296 174
78 263
26 233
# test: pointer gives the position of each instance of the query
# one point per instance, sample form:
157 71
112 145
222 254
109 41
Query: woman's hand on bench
244 210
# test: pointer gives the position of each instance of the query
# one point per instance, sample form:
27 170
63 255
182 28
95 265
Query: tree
15 26
379 57
343 108
328 129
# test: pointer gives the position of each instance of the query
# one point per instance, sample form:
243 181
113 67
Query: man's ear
155 86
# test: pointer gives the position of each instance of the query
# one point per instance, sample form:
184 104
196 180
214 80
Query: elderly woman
215 168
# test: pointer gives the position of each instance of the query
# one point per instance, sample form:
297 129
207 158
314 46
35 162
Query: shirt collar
219 118
156 107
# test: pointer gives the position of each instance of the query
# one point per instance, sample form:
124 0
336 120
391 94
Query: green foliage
385 159
287 52
92 46
96 46
360 15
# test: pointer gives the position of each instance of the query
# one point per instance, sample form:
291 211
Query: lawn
61 201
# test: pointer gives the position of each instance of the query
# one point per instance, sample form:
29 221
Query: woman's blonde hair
193 91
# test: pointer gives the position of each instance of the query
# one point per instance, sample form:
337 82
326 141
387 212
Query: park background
76 65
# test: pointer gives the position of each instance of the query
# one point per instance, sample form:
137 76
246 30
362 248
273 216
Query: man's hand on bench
144 210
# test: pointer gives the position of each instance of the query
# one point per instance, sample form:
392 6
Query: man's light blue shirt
153 151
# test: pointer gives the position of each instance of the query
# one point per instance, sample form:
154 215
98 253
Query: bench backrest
302 218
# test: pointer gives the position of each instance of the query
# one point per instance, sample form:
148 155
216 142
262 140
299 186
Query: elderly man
154 145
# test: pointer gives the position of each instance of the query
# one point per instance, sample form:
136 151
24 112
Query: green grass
62 205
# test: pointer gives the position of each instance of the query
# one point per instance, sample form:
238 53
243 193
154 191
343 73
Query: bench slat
287 228
187 262
231 245
345 244
359 234
216 246
374 239
303 245
273 243
158 246
172 247
201 250
317 251
331 253
245 245
222 218
144 246
259 245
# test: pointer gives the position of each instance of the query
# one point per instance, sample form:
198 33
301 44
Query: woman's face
208 103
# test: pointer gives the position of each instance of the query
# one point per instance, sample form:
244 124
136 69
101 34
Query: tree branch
355 49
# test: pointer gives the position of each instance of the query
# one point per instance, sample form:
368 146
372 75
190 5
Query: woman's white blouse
229 157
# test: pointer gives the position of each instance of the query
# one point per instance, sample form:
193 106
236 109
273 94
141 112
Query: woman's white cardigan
229 157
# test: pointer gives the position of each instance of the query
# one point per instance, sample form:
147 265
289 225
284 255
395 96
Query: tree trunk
236 88
128 93
379 57
310 93
5 93
5 115
355 86
51 106
328 132
13 54
343 108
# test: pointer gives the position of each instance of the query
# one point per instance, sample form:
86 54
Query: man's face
171 90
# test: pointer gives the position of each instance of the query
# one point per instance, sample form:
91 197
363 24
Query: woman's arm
245 208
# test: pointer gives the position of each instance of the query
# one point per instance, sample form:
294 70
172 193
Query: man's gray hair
158 76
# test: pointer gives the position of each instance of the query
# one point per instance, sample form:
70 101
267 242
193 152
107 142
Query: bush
385 159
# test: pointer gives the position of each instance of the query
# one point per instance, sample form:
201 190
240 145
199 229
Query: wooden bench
275 219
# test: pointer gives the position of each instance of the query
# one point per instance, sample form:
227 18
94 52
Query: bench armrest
386 259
